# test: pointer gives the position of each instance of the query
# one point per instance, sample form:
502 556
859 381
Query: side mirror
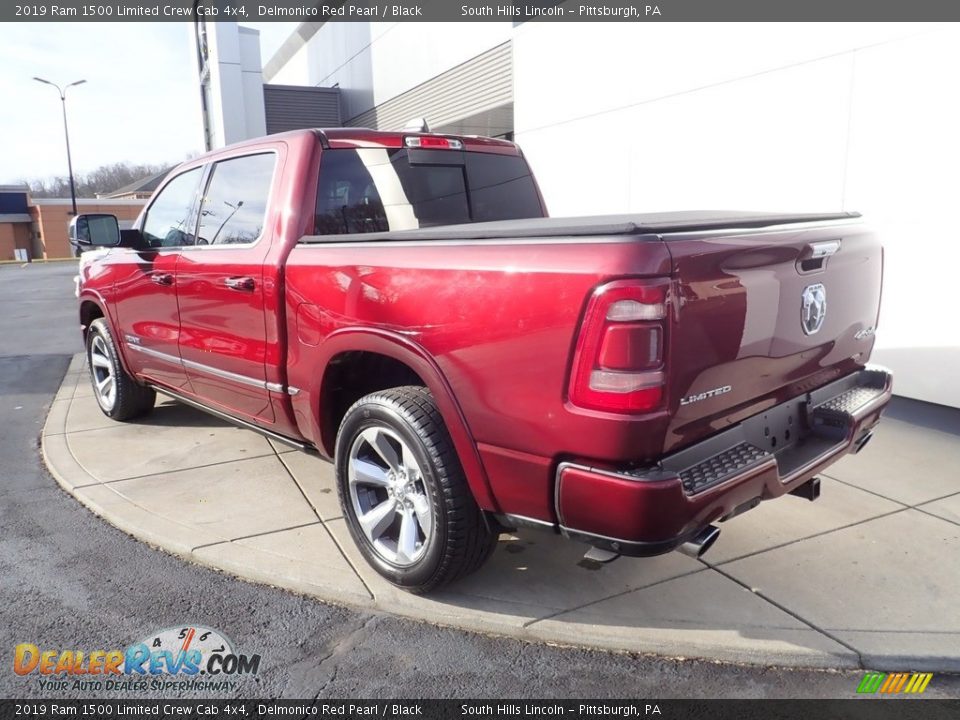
94 230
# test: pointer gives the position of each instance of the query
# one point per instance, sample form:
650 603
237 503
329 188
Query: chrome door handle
162 278
240 283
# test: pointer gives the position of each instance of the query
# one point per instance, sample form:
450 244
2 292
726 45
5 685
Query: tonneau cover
627 224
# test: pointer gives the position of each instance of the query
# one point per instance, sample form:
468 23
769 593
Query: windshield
379 189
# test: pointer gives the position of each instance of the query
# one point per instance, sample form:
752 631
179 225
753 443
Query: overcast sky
140 103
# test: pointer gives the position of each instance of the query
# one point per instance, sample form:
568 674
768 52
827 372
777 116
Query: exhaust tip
701 542
862 442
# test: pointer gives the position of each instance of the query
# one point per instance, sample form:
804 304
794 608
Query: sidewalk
867 576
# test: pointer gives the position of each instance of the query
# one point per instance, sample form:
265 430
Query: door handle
239 283
162 278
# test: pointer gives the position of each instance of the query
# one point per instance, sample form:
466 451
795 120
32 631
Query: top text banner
454 10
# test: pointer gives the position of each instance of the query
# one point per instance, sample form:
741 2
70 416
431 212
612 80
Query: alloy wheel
103 373
389 496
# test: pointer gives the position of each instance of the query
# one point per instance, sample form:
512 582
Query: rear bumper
657 509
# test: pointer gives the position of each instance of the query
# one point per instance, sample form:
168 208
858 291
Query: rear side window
377 189
235 204
501 188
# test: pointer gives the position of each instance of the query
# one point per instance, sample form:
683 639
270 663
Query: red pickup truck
401 304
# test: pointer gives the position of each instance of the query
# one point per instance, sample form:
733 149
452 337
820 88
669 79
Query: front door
220 289
146 292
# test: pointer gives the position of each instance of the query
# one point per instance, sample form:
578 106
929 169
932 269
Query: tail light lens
619 358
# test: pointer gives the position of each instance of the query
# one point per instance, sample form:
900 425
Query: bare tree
105 179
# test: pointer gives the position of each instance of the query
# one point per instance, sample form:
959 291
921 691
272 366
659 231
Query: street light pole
66 134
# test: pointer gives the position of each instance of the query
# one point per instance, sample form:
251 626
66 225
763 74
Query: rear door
220 287
764 315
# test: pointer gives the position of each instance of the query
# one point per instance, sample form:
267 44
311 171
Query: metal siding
289 107
480 84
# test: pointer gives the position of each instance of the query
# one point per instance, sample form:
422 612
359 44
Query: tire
404 494
124 398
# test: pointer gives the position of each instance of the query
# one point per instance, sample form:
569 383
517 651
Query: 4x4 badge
814 308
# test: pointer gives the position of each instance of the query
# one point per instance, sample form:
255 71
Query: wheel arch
93 307
405 363
90 310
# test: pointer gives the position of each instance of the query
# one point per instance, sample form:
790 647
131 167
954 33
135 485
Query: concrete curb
764 634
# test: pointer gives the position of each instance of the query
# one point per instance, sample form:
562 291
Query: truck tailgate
762 315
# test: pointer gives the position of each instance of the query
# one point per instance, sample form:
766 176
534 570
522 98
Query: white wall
373 62
795 117
234 85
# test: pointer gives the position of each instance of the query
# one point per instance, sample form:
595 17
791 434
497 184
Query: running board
305 447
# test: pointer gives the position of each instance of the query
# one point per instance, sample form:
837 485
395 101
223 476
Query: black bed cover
628 224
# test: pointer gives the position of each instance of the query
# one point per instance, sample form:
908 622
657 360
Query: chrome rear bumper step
716 469
788 435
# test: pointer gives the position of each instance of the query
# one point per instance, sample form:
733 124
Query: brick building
51 217
15 221
37 228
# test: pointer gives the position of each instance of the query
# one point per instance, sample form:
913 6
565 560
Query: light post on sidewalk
66 134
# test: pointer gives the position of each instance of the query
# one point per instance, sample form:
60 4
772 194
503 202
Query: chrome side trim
154 353
291 390
216 372
225 374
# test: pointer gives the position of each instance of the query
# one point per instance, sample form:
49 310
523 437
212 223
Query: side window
501 188
169 220
235 204
348 200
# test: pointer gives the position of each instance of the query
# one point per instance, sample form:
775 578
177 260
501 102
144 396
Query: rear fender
417 359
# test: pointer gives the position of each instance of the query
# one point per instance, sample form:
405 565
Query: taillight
433 143
618 362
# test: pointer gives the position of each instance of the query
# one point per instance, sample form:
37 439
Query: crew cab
400 304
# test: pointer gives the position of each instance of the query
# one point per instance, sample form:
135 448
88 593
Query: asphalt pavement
68 580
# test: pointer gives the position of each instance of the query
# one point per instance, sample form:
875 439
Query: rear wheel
120 397
403 493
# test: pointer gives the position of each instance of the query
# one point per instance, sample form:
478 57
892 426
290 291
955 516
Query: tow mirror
94 230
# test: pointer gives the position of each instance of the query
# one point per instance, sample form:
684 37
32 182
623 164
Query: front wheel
120 397
403 492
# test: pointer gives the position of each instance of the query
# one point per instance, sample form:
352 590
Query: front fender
89 295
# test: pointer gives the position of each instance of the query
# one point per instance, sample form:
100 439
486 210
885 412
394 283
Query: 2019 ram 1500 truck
399 303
